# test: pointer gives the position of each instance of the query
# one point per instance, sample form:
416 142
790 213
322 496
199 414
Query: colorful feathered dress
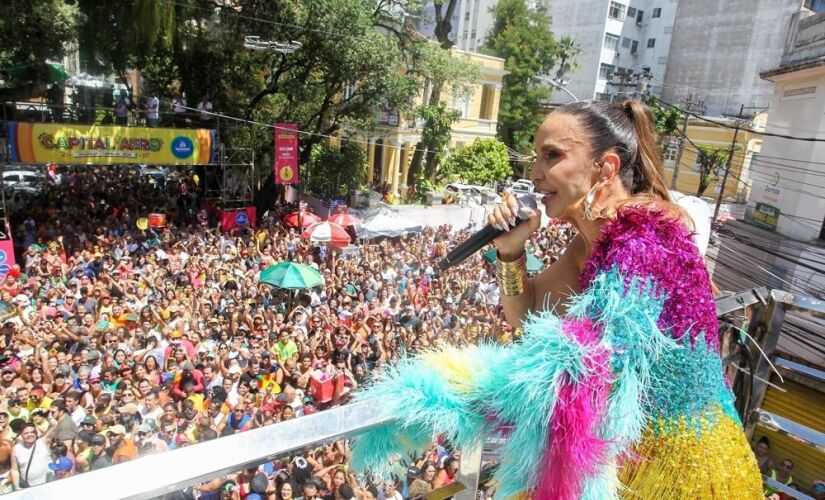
623 397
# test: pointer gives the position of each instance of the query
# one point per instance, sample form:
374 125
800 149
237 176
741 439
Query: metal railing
155 475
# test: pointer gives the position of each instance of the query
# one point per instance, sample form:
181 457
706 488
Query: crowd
120 342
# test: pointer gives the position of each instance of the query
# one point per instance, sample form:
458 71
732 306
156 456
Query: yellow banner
109 145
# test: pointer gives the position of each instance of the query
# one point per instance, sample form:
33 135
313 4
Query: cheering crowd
120 342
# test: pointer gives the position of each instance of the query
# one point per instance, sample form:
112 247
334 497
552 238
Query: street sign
766 216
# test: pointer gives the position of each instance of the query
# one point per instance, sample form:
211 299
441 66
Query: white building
789 175
615 35
471 22
719 47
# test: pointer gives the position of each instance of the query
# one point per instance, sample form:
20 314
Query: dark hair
764 439
59 404
59 449
346 491
627 128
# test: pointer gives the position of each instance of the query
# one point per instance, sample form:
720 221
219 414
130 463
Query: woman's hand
510 245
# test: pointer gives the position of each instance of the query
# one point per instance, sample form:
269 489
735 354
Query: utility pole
689 103
728 163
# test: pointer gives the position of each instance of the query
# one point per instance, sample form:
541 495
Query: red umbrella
307 218
345 219
328 232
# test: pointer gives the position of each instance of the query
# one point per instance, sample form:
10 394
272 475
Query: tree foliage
483 161
114 36
522 37
332 172
711 163
437 130
667 120
33 31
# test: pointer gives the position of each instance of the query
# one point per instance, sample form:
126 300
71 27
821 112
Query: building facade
712 135
789 176
617 37
719 47
391 149
471 22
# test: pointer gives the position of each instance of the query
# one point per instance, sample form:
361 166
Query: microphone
485 236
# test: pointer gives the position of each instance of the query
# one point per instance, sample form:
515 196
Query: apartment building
625 44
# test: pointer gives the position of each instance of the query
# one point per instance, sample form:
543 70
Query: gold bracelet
512 276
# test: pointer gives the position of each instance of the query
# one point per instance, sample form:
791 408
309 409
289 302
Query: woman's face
286 491
564 170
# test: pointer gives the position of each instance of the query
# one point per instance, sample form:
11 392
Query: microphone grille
526 201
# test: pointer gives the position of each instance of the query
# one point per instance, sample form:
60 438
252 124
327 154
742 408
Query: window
611 42
669 154
606 71
639 16
651 42
467 16
616 11
634 47
473 35
464 35
631 12
487 97
349 90
657 12
625 43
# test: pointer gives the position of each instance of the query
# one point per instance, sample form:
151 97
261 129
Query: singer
617 388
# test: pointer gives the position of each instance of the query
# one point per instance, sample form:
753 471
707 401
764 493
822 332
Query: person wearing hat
38 399
61 467
98 458
122 447
188 373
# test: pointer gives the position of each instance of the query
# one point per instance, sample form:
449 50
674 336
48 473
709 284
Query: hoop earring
588 204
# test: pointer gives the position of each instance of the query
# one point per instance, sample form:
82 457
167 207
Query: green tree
436 132
436 64
332 172
522 37
116 36
32 31
667 119
711 163
482 162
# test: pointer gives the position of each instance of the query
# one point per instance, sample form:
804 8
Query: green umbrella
291 275
534 264
52 72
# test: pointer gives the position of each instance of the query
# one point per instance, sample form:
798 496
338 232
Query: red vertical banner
286 153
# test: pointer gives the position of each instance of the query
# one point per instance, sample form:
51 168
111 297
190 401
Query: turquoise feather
517 387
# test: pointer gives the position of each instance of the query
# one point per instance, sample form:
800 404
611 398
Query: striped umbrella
306 218
328 232
345 219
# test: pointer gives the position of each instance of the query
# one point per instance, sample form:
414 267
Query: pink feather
575 449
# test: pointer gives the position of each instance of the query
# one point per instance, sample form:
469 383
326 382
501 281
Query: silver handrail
155 475
776 485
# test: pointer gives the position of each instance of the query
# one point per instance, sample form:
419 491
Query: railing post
771 318
470 470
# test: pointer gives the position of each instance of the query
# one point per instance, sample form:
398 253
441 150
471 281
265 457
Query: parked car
523 186
464 193
26 177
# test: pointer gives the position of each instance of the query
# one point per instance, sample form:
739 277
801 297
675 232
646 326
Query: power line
725 125
302 132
